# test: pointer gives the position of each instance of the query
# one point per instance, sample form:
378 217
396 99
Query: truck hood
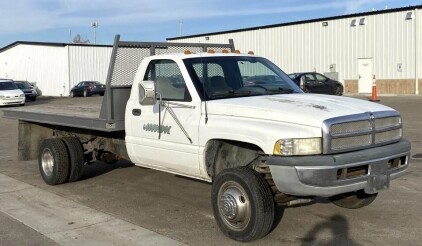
304 109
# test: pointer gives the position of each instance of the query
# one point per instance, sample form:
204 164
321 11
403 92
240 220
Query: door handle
136 112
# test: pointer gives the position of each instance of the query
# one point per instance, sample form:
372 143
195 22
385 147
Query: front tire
53 161
243 204
353 200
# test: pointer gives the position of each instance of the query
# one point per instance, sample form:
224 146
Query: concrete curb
67 222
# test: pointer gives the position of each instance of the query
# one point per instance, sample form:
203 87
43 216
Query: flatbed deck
76 112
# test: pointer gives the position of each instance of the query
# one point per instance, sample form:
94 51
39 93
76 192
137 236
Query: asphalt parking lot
180 209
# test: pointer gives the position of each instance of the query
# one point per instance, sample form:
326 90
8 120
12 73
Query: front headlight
298 146
1 97
22 95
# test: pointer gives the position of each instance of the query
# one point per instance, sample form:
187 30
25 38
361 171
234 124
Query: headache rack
125 59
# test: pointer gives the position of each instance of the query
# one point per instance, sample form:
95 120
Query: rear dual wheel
60 160
76 157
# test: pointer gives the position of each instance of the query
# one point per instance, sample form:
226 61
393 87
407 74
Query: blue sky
156 20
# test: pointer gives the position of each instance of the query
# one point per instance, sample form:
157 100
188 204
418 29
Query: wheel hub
47 161
234 206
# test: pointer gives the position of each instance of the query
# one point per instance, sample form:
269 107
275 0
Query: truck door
311 84
175 147
323 84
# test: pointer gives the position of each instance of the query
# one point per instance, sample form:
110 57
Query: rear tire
243 204
76 157
53 161
353 200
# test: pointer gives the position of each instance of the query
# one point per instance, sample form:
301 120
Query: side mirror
147 93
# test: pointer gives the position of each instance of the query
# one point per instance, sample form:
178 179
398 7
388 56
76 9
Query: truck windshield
7 86
237 76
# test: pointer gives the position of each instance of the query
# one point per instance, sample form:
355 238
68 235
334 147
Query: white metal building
55 67
353 48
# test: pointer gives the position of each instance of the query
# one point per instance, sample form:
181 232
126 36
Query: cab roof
204 54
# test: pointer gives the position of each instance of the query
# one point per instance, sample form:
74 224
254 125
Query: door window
320 78
309 77
169 80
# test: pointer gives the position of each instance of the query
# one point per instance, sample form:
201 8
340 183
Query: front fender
262 133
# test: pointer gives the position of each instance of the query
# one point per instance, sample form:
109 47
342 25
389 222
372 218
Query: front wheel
353 200
243 204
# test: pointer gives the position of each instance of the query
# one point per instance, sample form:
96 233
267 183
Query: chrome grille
351 142
382 137
354 132
351 127
387 122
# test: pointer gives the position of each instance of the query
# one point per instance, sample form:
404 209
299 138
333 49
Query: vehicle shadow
337 225
100 168
40 100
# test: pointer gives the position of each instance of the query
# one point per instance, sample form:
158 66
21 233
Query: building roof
377 12
49 44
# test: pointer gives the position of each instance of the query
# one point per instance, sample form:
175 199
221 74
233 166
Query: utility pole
95 25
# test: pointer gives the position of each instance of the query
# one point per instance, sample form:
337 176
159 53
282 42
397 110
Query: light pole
94 25
180 28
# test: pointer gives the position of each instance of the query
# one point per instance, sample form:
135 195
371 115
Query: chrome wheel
234 206
47 161
242 203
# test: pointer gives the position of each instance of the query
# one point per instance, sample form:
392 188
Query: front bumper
30 96
329 175
12 101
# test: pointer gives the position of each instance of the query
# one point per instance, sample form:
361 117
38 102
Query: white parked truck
234 120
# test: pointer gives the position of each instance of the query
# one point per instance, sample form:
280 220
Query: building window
353 23
362 21
409 15
325 23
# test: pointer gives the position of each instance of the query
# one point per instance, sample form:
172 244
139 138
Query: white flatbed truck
234 120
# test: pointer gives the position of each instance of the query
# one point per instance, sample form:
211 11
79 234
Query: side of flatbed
66 112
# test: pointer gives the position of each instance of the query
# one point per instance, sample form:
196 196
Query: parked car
28 89
312 82
87 88
10 94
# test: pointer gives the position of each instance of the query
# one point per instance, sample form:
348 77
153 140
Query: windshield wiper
280 90
232 94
